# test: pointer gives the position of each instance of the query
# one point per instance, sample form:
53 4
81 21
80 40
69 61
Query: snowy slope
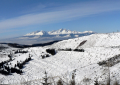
5 52
98 47
94 40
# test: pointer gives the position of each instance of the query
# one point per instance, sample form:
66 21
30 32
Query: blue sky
19 17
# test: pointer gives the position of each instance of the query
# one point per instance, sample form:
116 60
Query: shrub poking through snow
96 82
21 64
102 63
111 61
6 67
67 49
10 56
59 82
6 70
16 70
51 51
116 83
72 82
20 51
2 63
79 50
46 79
45 56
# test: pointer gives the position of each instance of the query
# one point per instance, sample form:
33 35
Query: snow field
97 48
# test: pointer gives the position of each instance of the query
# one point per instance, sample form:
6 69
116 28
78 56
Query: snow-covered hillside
98 47
94 40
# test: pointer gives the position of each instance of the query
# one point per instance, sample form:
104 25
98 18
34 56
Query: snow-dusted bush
79 50
102 63
46 80
4 72
3 62
10 56
21 64
96 82
116 83
6 68
20 51
67 49
111 61
16 70
51 51
45 56
59 82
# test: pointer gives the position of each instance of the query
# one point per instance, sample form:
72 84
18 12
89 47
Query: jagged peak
55 32
62 31
37 33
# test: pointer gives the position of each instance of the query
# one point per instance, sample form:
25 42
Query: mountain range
47 36
56 32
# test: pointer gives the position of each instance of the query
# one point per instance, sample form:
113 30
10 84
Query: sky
19 17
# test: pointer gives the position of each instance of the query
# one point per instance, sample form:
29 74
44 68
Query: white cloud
64 14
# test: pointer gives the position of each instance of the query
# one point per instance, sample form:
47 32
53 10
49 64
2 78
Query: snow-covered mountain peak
56 32
63 30
37 33
42 33
60 31
88 32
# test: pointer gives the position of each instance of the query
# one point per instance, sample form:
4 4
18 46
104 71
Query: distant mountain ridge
56 32
45 37
37 33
